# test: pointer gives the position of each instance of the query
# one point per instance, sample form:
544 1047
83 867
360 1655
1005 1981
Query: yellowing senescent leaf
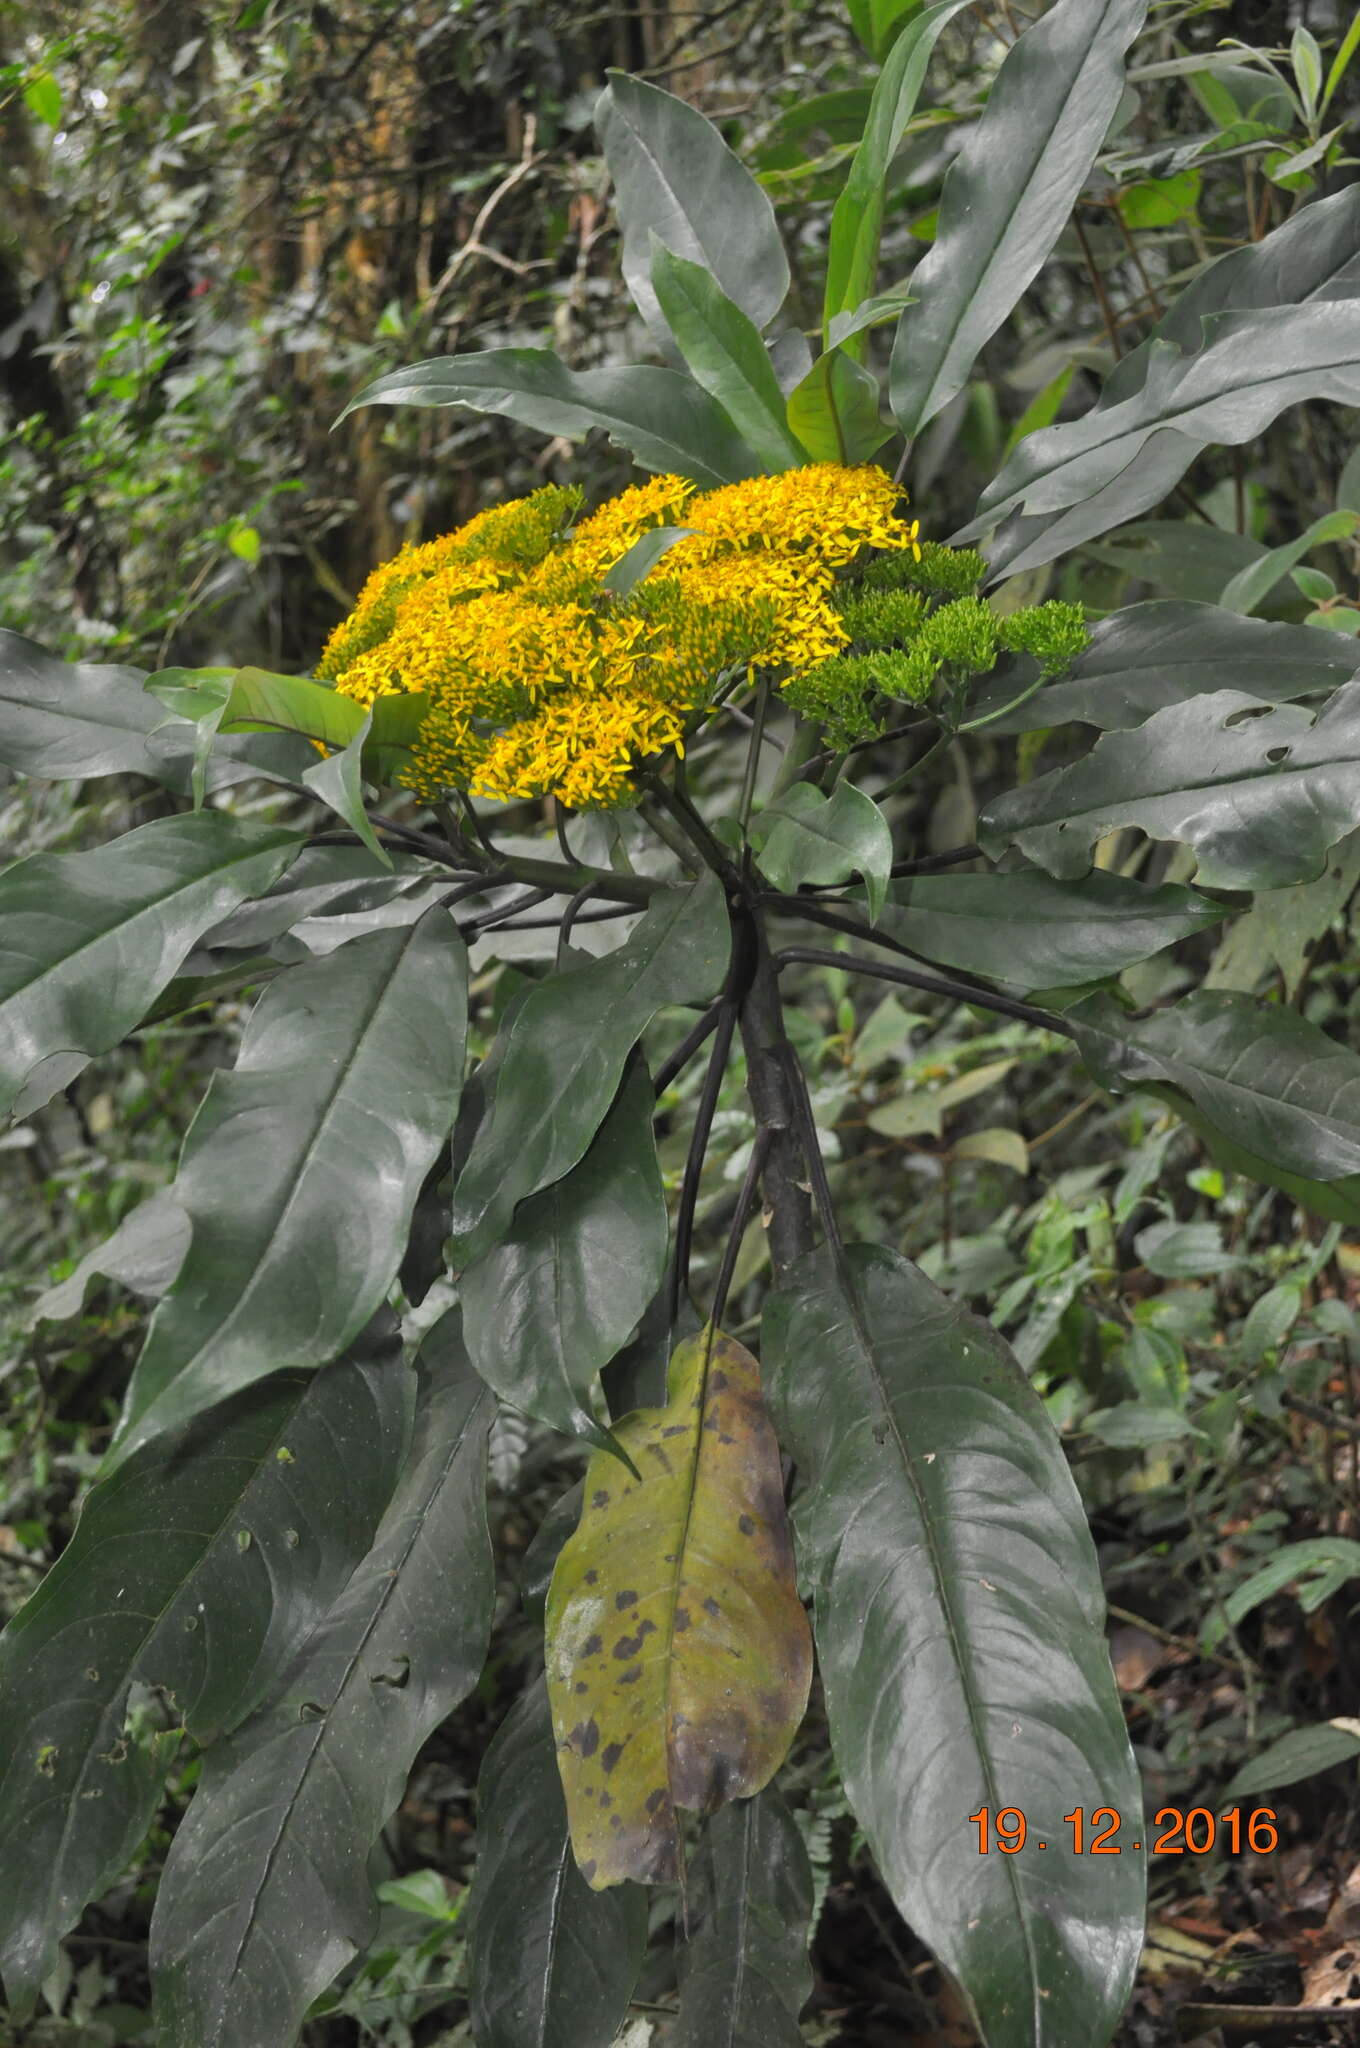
679 1655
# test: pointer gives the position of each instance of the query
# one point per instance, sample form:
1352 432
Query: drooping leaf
265 1894
552 1963
89 940
1271 1081
301 1169
552 1300
744 1973
857 219
323 881
1337 1200
834 412
196 1568
1260 792
678 1652
565 1051
661 417
1119 460
807 837
675 178
1008 195
338 781
725 355
1314 257
1148 656
1278 934
1026 931
143 1254
958 1620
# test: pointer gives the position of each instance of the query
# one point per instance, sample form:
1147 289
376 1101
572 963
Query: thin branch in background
748 780
1098 286
928 862
932 984
755 1166
530 900
698 1035
698 1148
549 924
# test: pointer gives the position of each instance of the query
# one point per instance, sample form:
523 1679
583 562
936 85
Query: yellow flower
538 680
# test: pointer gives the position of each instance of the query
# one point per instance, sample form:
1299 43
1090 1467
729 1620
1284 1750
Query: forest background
218 222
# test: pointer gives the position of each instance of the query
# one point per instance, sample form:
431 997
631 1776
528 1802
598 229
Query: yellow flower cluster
538 679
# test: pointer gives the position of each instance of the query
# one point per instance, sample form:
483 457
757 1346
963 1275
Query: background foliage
219 221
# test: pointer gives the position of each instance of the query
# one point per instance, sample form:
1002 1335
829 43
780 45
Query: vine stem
933 984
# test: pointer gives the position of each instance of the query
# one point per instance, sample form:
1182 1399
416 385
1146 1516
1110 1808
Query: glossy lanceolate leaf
565 1050
959 1637
725 355
1119 460
197 1568
744 1973
1314 257
143 1254
1009 193
265 1893
675 178
1261 792
301 1169
89 940
1149 656
1027 931
552 1963
662 418
678 1652
553 1299
807 837
1270 1081
857 220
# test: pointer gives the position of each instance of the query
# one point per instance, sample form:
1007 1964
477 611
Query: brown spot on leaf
622 1600
746 1525
628 1646
591 1576
610 1755
599 1499
711 1606
681 1620
592 1646
718 1380
656 1799
631 1676
675 1429
585 1737
606 1799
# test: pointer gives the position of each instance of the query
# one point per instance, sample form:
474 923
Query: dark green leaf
144 1254
301 1169
857 221
1302 1753
660 416
1260 793
725 354
959 1635
1176 558
565 1052
1148 656
265 1893
323 881
1008 195
553 1964
1338 1200
1268 1079
675 177
196 1568
69 720
553 1299
1026 931
1117 461
745 1974
1314 257
807 837
89 940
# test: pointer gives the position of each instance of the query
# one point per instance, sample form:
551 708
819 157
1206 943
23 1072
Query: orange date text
1173 1832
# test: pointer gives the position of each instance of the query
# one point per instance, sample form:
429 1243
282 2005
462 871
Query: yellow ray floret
539 680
